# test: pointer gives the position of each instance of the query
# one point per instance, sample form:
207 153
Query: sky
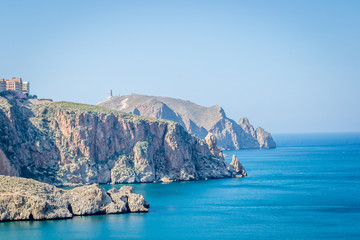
289 66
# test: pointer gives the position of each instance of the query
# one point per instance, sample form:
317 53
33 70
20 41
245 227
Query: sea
306 188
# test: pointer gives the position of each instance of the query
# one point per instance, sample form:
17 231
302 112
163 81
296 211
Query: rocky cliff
195 119
238 167
263 138
69 144
27 199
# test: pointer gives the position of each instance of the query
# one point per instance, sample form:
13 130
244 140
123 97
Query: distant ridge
198 120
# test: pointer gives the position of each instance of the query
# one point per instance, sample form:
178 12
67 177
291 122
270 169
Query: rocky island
196 119
70 144
27 199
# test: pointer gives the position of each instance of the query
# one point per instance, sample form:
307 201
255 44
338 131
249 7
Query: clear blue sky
289 66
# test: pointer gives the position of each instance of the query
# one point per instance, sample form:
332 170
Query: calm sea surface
307 188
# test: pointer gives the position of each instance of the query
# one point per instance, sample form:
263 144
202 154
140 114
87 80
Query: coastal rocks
70 144
230 135
27 199
213 147
124 171
143 162
238 167
247 127
264 138
127 197
87 200
196 119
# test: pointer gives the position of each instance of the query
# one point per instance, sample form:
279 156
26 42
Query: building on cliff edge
15 84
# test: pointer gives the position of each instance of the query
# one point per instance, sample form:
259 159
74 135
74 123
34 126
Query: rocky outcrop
247 127
194 118
136 202
263 138
27 199
69 144
238 167
213 147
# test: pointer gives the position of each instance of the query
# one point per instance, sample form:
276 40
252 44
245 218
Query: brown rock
137 203
127 189
238 167
27 199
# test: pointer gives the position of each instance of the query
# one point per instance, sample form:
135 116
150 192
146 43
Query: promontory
70 144
195 119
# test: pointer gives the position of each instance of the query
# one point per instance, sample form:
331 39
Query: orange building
15 84
26 88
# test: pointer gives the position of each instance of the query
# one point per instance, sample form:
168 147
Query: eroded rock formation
238 167
27 199
262 137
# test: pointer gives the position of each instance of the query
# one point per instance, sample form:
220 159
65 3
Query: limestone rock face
123 171
194 118
238 167
27 199
120 199
143 162
213 147
69 144
127 197
127 189
264 138
247 127
87 200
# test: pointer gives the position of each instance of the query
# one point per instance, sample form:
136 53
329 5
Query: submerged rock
238 167
27 199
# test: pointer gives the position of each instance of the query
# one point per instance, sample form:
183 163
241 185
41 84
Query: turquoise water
307 188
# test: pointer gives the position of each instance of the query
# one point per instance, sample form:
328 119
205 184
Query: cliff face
238 167
195 119
72 144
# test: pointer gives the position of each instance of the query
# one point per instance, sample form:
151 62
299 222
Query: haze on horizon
289 66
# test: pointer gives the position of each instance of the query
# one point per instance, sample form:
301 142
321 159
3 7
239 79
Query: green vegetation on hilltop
79 108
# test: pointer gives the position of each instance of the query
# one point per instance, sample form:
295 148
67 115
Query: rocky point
27 199
70 144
